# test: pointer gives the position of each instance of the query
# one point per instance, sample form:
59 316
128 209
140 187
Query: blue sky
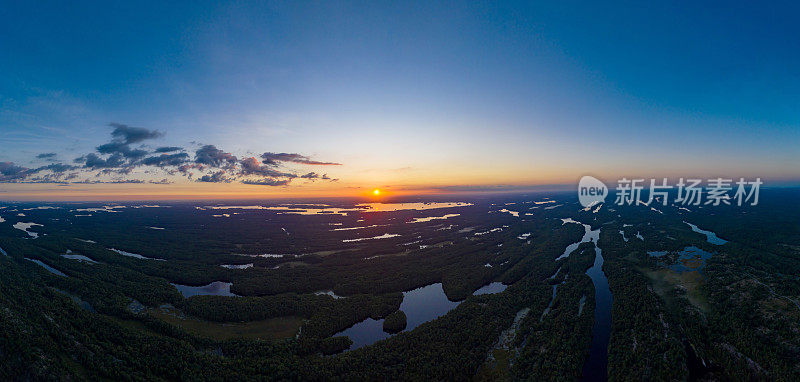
408 94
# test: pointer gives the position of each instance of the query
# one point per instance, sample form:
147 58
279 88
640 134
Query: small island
395 322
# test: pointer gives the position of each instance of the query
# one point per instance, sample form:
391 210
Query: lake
420 306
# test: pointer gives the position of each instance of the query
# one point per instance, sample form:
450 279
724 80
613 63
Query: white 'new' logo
591 191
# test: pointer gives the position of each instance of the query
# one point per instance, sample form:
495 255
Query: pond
384 236
80 258
130 254
711 237
25 227
83 304
237 266
689 259
512 213
492 288
430 218
328 293
216 288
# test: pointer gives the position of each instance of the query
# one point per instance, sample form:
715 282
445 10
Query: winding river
596 367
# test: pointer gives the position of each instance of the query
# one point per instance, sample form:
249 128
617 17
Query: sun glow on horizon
376 192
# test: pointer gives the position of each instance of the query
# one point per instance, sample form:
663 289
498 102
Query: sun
376 192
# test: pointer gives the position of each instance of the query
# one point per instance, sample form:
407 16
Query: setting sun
376 192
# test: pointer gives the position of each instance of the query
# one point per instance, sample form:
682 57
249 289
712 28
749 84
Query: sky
408 97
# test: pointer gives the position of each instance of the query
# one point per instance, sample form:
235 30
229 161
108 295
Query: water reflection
689 259
363 207
237 266
49 268
711 237
216 288
588 236
596 366
83 304
430 218
420 305
25 227
384 236
388 207
513 213
130 254
495 287
80 258
328 293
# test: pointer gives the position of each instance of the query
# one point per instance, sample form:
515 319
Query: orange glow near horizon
359 188
195 191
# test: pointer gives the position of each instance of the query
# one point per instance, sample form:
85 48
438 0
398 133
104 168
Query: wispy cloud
275 158
46 156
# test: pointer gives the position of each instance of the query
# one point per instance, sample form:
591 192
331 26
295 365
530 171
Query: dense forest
73 307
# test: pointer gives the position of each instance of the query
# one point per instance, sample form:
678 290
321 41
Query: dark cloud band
118 158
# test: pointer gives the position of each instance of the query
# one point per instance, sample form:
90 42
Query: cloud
273 159
92 160
168 149
56 168
186 167
217 177
46 156
9 171
118 153
12 172
268 182
212 156
125 181
166 160
124 149
129 134
9 168
115 181
117 159
250 166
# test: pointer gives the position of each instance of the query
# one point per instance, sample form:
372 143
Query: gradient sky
408 97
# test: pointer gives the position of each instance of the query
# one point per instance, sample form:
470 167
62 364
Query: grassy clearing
497 369
664 280
273 328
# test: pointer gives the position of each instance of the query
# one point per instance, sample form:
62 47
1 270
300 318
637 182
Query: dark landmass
302 279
